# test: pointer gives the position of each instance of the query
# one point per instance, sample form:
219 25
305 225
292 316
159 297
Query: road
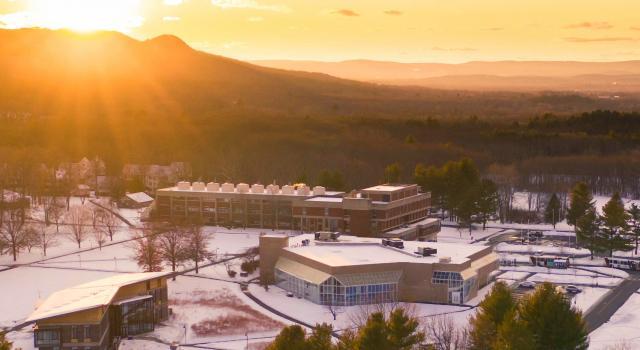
608 306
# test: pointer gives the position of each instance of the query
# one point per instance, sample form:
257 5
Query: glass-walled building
97 314
356 270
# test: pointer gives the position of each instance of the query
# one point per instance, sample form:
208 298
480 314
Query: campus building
350 270
373 211
95 315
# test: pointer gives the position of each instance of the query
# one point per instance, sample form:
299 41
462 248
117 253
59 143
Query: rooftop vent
426 251
198 186
213 187
227 187
319 191
184 186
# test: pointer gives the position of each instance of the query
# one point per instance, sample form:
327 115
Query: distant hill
500 75
47 72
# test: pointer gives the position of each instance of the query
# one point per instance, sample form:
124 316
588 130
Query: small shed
136 200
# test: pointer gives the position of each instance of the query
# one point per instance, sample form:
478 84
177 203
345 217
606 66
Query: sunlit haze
435 31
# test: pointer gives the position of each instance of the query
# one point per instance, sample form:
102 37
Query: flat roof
325 199
387 188
88 295
352 250
265 193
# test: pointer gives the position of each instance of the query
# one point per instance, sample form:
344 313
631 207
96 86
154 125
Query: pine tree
491 313
554 324
320 338
588 231
614 226
4 343
513 335
580 201
488 201
634 225
348 341
552 211
403 331
373 335
290 338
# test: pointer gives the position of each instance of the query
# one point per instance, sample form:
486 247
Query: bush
250 266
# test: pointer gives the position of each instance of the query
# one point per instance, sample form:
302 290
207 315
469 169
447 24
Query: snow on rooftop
139 197
88 295
386 188
325 199
352 250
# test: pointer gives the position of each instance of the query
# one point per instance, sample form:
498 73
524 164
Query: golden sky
330 30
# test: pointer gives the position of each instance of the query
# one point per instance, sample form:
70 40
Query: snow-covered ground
622 329
532 249
455 235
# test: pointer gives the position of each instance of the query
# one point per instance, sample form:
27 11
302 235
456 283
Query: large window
458 289
334 292
47 337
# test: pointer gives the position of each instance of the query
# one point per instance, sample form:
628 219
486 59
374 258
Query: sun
86 15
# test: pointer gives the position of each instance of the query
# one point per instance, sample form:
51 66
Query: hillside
45 72
500 75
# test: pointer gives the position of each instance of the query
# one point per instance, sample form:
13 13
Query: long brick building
384 210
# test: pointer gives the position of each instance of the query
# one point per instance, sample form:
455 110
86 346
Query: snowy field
622 329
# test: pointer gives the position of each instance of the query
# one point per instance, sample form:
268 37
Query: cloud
250 4
634 28
393 13
596 40
346 12
170 18
590 25
459 49
173 2
255 19
494 29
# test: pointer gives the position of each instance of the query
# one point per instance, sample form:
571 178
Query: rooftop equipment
319 191
213 187
184 186
426 251
227 187
256 188
393 242
198 186
242 188
327 236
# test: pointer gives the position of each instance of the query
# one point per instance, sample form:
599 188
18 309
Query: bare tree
147 252
173 247
31 237
12 231
100 236
333 309
108 221
46 238
53 212
198 241
78 219
443 334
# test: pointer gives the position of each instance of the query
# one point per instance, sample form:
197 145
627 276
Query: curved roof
88 295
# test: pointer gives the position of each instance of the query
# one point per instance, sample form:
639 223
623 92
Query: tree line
615 229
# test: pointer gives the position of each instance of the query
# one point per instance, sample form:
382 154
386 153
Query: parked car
290 294
572 289
527 285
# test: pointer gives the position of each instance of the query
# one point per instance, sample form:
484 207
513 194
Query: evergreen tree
290 338
634 225
4 343
373 335
403 331
552 211
320 338
554 324
491 313
432 179
348 341
614 226
392 173
580 201
488 201
512 334
588 231
331 180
